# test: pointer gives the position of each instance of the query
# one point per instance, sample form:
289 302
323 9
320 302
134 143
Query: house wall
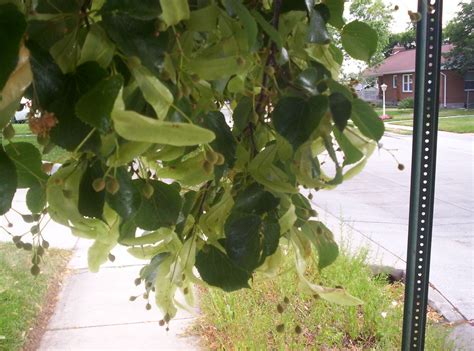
454 84
455 88
394 95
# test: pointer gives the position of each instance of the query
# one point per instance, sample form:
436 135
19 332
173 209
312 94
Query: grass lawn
23 134
247 320
455 125
407 114
22 296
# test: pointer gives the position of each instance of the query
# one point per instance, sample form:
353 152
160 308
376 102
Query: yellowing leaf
97 47
174 11
155 92
135 127
13 90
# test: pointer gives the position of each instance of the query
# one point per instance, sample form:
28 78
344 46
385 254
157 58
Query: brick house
398 73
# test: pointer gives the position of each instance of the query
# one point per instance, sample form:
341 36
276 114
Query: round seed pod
35 270
280 328
148 190
98 184
112 186
220 159
207 166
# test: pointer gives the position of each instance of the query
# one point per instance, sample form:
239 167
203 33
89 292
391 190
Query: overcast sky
401 20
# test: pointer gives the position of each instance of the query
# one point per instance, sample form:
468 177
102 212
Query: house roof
401 62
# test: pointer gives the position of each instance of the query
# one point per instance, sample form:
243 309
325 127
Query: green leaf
127 200
246 18
203 19
12 28
318 33
351 153
127 152
97 47
36 199
27 159
311 77
287 220
327 55
268 29
271 236
91 202
136 37
296 119
359 40
266 173
189 172
242 114
303 209
161 209
154 92
336 9
323 239
367 120
49 80
255 200
174 11
95 107
144 9
98 253
242 242
135 127
217 68
224 142
66 52
341 109
336 87
212 222
216 269
338 296
8 181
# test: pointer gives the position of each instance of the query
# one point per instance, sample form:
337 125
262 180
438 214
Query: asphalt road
375 204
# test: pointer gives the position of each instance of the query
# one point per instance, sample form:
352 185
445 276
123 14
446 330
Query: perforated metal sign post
425 130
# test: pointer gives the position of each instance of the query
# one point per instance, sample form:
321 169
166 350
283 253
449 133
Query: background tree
460 33
134 92
407 39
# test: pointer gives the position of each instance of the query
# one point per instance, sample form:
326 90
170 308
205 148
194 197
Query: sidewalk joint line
115 324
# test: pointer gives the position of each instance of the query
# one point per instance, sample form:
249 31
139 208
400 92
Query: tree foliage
406 39
460 33
190 126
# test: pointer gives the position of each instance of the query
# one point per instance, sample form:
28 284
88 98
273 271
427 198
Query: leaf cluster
191 127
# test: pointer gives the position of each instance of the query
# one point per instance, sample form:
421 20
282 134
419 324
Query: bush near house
406 103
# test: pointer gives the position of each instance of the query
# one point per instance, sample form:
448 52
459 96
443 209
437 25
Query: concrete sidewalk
94 311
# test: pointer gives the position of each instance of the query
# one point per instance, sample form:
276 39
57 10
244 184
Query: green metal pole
425 130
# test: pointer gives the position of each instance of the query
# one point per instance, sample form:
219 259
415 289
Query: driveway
375 206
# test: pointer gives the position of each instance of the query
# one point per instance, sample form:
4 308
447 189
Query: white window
394 81
407 83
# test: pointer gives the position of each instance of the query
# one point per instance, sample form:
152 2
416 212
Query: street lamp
384 89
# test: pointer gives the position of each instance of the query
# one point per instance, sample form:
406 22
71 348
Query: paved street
374 206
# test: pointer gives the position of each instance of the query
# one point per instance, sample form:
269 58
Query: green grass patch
23 134
407 114
23 295
248 319
455 125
